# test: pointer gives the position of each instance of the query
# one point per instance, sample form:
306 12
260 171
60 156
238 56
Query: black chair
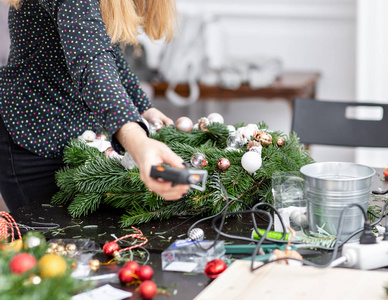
336 123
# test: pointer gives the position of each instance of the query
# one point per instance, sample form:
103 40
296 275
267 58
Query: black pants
25 177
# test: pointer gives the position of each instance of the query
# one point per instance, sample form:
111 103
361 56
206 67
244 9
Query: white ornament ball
184 124
231 128
88 135
251 161
249 130
215 118
299 219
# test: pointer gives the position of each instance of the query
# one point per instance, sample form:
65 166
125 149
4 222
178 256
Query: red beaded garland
126 275
110 247
132 265
147 289
145 273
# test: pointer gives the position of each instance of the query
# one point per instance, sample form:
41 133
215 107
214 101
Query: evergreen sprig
90 179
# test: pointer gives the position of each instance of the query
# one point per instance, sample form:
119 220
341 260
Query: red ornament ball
132 265
22 263
126 275
110 247
280 141
145 273
214 268
148 289
223 164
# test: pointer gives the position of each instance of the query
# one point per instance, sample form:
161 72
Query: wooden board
276 281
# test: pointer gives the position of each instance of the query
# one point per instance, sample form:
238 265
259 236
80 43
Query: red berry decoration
110 248
126 275
148 289
145 273
132 265
22 263
214 268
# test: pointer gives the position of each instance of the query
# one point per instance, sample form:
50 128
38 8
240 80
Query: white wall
307 35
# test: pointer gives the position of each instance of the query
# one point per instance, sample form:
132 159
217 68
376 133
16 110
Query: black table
161 235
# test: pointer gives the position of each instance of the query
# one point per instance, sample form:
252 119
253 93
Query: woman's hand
148 152
154 113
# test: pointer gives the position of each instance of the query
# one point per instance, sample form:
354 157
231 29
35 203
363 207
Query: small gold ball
49 251
71 248
116 254
53 246
35 279
59 249
94 264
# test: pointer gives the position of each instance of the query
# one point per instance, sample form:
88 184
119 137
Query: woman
65 74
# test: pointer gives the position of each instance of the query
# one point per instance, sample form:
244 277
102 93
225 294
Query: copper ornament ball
280 141
223 164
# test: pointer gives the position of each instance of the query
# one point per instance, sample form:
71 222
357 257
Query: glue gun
196 179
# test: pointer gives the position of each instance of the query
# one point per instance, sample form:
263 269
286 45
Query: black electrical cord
254 211
335 248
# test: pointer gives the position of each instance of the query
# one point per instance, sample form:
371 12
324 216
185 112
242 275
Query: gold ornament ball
53 246
60 249
263 137
116 254
51 265
94 265
203 123
71 248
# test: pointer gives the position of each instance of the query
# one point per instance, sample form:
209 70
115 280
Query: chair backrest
339 124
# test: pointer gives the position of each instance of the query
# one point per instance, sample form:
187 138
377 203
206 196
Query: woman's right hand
148 152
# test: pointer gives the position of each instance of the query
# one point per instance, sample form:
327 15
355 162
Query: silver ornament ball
198 160
196 234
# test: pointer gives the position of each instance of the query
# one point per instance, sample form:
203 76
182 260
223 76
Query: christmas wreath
240 158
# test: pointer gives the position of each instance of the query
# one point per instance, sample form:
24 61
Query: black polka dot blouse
64 76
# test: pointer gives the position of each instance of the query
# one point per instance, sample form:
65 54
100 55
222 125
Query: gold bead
116 254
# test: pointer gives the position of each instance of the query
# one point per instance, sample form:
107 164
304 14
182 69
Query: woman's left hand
154 113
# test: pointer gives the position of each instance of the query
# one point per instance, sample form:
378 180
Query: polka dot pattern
64 76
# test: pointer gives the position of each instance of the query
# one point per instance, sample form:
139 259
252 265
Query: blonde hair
124 18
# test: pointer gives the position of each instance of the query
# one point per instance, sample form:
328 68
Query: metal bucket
331 186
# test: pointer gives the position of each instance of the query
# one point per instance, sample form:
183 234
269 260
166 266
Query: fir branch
84 204
319 238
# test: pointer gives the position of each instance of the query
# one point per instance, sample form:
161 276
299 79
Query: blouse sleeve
131 83
91 61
